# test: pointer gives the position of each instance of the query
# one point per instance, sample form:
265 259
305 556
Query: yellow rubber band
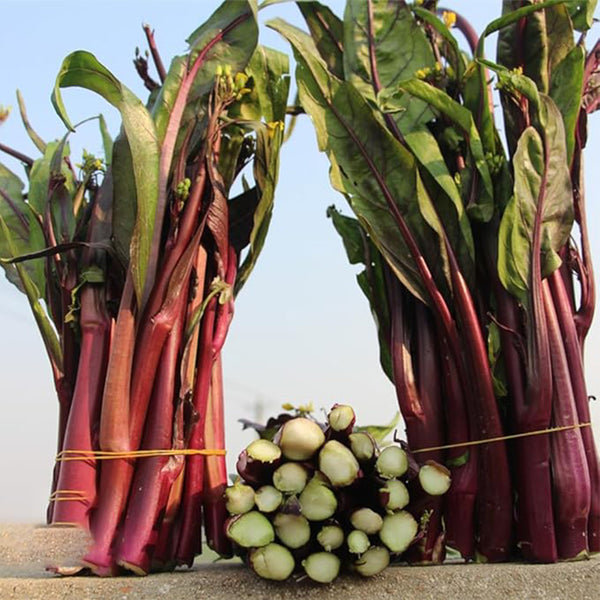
69 499
72 492
66 455
514 436
68 495
80 495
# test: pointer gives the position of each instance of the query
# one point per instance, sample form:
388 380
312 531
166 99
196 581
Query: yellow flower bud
449 18
4 112
240 80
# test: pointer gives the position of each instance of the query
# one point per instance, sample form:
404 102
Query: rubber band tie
82 496
66 455
79 495
68 495
513 436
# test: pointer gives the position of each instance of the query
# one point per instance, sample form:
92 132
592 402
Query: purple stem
78 477
534 510
151 484
576 372
459 509
570 473
189 543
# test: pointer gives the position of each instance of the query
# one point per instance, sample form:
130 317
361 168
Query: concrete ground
26 550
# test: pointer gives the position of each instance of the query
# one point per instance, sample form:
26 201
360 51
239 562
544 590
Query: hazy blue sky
302 329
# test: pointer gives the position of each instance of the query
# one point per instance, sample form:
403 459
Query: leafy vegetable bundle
318 498
476 257
131 267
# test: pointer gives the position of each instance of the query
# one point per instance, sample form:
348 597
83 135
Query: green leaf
494 345
566 89
33 136
61 188
269 81
353 236
163 105
374 169
476 88
92 274
458 461
32 292
107 141
327 31
39 179
541 183
482 206
25 233
227 39
543 43
455 56
477 99
47 176
270 71
512 85
380 432
511 81
124 199
531 42
266 173
82 69
559 29
582 13
445 195
361 250
233 140
266 3
241 218
375 61
511 17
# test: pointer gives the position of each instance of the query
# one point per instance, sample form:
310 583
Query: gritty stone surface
25 551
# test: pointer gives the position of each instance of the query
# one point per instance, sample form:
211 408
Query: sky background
302 329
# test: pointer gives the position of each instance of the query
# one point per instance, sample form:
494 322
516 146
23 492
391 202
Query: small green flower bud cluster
435 73
182 191
495 162
91 164
231 87
507 81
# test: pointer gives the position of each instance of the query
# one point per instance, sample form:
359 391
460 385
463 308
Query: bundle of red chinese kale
131 270
318 499
482 298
